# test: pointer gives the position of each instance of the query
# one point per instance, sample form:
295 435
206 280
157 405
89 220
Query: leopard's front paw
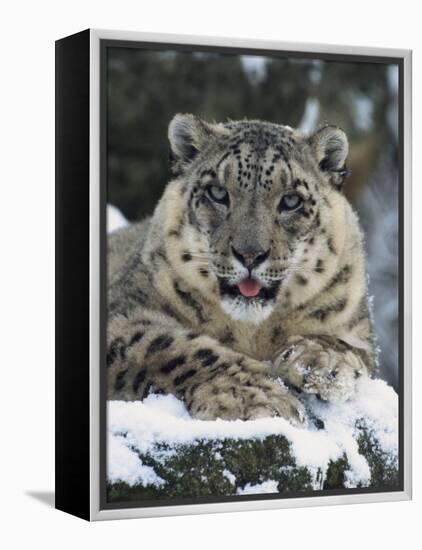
314 368
246 396
271 398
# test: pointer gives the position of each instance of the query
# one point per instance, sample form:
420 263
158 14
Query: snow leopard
246 287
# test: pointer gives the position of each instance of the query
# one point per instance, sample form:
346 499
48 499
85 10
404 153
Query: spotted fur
177 320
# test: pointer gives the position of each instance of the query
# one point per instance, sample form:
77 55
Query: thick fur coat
248 283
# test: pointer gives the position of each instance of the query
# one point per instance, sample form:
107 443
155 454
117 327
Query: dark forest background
147 88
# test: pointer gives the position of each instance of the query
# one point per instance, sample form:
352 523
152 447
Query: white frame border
155 511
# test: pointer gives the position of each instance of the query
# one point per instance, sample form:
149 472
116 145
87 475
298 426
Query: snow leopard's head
256 199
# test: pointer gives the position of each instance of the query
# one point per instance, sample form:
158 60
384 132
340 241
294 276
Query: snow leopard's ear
188 134
331 147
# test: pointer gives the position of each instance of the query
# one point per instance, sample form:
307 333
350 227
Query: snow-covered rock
156 450
115 219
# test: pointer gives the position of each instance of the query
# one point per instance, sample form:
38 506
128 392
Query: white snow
230 476
115 219
393 78
363 112
269 486
393 108
124 465
255 67
137 427
310 117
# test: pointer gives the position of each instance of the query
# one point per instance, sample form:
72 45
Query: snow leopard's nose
250 257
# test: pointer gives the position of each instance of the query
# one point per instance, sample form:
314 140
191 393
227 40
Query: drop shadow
45 497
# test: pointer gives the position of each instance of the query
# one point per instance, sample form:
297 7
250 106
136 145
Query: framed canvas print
233 274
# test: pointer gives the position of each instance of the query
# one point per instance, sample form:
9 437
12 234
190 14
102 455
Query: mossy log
213 467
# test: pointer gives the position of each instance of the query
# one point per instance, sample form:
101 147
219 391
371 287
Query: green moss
384 467
122 492
334 478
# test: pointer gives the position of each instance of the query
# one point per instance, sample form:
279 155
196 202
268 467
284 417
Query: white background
27 271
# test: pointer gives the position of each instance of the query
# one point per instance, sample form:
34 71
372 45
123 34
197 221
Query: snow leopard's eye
291 201
218 194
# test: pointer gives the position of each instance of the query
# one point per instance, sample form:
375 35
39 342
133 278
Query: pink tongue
249 287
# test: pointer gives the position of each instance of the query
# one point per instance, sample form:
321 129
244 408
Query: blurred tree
355 96
281 96
146 89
